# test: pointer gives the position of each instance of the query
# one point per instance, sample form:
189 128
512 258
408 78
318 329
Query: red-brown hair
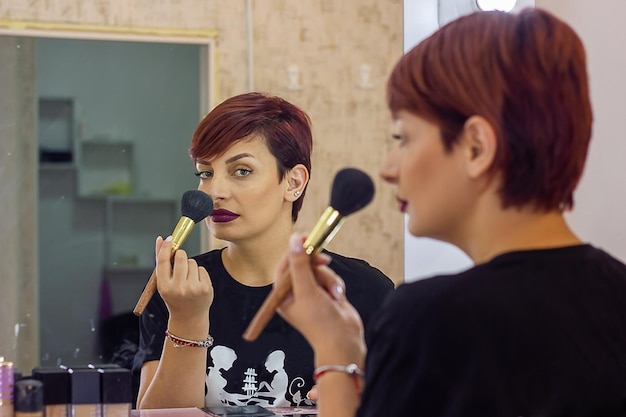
526 74
285 128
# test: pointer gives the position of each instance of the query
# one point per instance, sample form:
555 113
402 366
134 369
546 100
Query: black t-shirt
274 370
530 333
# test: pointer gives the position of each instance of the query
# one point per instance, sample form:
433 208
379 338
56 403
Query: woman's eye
204 174
398 137
243 172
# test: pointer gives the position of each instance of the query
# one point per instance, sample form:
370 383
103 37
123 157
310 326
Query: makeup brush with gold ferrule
195 206
352 190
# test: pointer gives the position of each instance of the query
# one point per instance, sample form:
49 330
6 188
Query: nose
389 169
216 187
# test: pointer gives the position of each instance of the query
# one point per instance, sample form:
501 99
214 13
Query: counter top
196 412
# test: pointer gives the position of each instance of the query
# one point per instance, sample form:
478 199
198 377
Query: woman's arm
178 378
318 308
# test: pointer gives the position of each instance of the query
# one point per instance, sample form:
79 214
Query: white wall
601 197
598 216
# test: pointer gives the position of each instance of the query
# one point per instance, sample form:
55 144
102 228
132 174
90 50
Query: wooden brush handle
180 233
265 313
146 295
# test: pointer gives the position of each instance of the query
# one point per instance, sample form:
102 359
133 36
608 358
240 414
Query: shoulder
212 262
213 257
428 324
603 258
502 280
356 271
449 298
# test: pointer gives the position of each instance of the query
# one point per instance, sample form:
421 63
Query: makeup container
116 392
6 388
85 392
56 390
28 398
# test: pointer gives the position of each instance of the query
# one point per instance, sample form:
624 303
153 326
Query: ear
480 145
296 179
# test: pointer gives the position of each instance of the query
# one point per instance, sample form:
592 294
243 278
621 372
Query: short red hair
285 128
526 74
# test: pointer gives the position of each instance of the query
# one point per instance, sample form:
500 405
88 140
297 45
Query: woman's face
248 198
430 182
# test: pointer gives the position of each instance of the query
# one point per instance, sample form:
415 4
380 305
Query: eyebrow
229 160
239 156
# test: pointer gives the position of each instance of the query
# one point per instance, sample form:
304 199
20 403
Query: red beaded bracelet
352 369
179 341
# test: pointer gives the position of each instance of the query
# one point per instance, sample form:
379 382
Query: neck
254 261
505 230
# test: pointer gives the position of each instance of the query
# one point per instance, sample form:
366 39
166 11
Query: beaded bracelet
351 369
179 341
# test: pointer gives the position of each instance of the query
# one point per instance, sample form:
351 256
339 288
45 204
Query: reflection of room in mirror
56 130
139 103
108 123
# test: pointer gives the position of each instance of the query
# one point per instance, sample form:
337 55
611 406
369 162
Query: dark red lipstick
402 205
223 216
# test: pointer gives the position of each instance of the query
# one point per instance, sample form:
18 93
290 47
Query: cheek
416 173
262 196
428 187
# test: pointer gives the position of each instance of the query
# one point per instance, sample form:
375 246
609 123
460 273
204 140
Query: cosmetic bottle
116 392
6 388
85 393
28 400
56 390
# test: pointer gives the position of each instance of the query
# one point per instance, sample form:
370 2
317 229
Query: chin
417 229
218 233
413 226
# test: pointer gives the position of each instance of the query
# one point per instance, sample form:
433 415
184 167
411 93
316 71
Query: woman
493 123
252 154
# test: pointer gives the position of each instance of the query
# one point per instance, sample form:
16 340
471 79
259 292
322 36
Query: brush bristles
196 205
352 190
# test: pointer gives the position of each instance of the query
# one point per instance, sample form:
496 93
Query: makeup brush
352 190
195 206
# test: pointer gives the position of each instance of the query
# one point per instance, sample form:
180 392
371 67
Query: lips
402 205
223 216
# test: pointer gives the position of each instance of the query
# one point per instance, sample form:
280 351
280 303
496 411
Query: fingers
164 256
321 259
313 394
157 245
330 281
181 264
175 265
299 267
307 272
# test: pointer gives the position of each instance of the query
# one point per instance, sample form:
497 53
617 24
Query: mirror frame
25 344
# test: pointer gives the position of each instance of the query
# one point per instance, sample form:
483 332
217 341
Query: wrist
178 341
189 329
351 371
341 355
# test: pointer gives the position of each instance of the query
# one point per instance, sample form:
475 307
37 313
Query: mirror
110 121
340 80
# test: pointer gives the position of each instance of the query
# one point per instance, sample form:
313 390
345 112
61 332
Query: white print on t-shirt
263 393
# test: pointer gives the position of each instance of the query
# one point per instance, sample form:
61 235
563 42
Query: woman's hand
318 308
313 393
185 287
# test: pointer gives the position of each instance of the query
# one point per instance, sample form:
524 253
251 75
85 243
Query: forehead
396 126
400 117
254 145
405 120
